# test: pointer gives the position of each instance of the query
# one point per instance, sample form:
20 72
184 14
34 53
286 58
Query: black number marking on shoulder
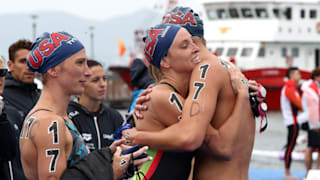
29 124
175 100
22 129
54 153
204 69
225 64
53 128
199 86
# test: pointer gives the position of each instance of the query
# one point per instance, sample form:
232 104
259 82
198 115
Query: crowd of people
197 122
301 110
41 141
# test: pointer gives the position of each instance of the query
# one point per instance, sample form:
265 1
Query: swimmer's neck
182 85
205 54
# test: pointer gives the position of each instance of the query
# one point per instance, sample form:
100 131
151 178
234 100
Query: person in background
290 105
20 91
95 121
140 79
10 164
311 107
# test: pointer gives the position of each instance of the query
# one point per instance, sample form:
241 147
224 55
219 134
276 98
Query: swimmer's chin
196 60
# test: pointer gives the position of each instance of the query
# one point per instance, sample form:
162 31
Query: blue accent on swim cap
158 42
185 17
51 49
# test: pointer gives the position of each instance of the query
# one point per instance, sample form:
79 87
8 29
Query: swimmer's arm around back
198 109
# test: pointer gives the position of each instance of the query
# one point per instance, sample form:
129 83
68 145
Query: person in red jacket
311 106
290 105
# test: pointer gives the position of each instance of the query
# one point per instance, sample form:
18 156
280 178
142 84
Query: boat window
219 51
222 14
284 52
313 14
295 52
233 13
287 13
232 52
212 14
246 12
261 13
246 52
261 52
302 13
276 12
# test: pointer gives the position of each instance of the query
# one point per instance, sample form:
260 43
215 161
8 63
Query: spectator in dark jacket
95 121
10 165
20 90
140 79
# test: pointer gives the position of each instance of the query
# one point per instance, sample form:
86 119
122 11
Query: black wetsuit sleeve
97 165
7 139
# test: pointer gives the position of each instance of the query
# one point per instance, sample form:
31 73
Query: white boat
264 37
264 33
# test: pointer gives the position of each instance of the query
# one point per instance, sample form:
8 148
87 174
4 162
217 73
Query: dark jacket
97 165
139 75
140 79
19 95
95 127
10 126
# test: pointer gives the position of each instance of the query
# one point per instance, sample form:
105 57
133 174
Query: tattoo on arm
55 155
53 128
175 100
199 86
204 69
225 64
29 122
194 109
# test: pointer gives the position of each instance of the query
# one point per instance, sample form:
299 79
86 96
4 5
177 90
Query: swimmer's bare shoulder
47 134
165 104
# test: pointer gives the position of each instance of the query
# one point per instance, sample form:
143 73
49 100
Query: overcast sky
90 9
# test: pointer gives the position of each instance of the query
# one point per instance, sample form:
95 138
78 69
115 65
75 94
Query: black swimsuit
167 165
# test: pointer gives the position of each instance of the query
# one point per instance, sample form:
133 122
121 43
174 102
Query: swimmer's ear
164 62
53 72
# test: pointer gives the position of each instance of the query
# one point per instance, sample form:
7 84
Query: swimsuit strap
41 109
174 89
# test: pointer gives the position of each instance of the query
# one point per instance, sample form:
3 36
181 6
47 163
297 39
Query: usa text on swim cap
50 49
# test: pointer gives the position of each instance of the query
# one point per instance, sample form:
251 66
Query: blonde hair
155 73
44 77
2 60
199 40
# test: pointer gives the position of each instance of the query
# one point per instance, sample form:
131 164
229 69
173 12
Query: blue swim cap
185 17
158 42
50 49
